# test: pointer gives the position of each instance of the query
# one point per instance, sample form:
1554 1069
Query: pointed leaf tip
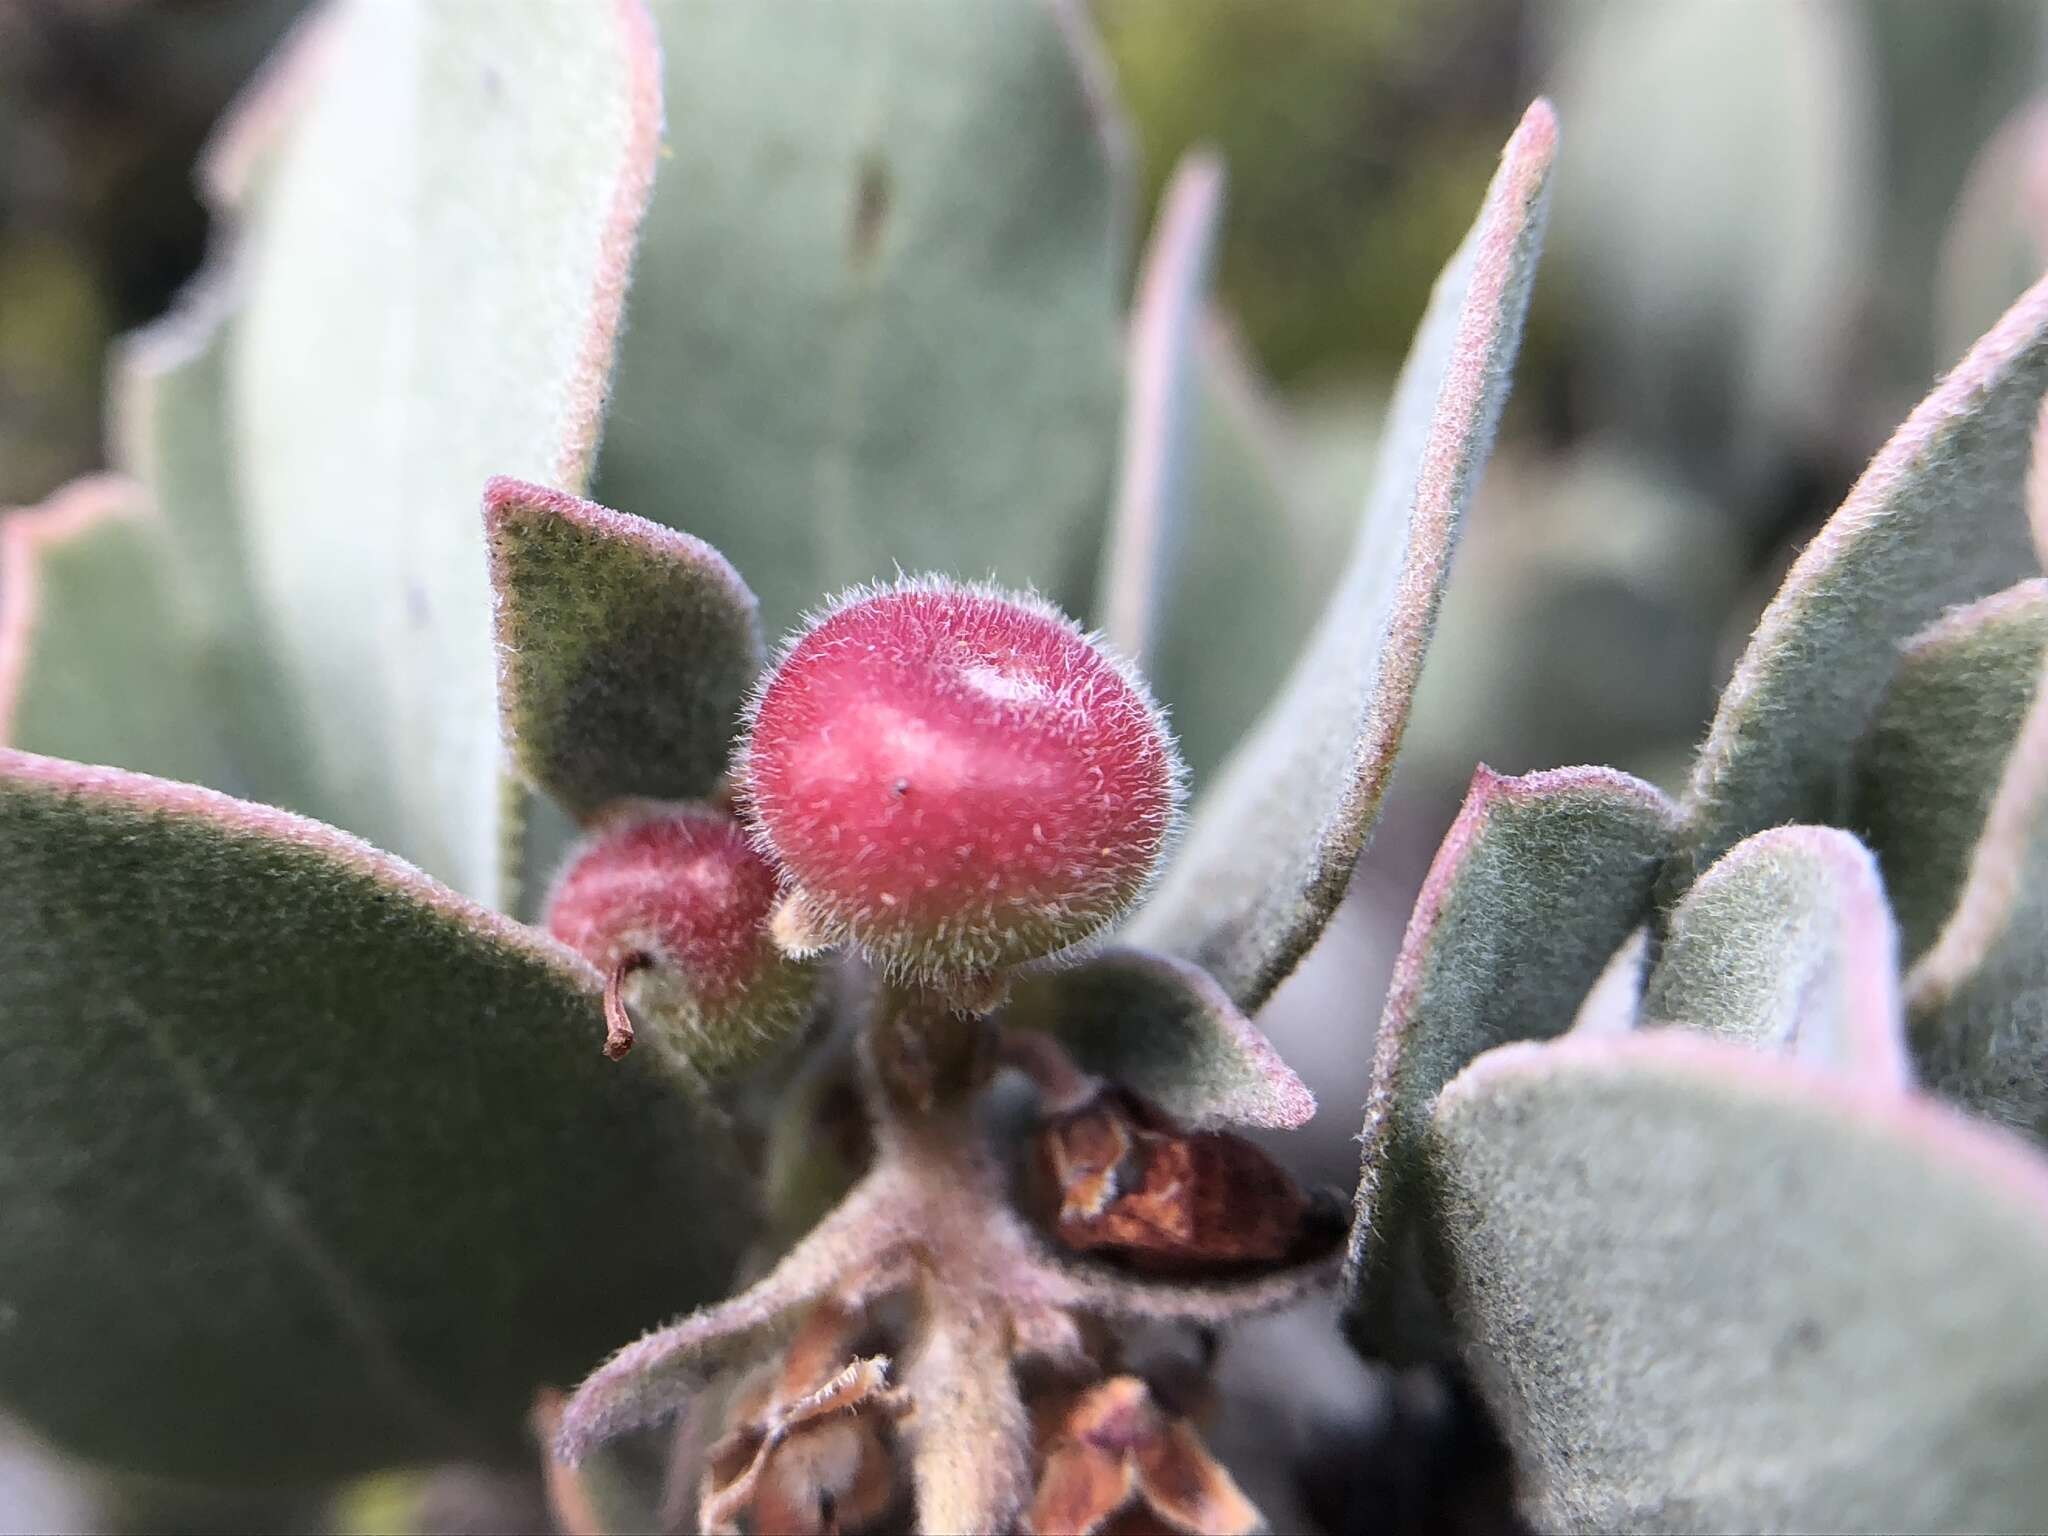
1787 943
1274 841
1164 1028
404 1152
1936 520
625 649
1539 881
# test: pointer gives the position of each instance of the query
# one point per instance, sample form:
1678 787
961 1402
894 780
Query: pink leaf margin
1874 1047
247 822
1158 420
1974 1149
27 536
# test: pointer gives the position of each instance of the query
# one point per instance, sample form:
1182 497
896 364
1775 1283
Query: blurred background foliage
1776 221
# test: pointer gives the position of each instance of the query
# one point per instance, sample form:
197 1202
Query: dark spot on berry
900 788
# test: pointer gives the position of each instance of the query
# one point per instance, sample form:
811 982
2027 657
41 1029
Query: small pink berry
672 903
955 779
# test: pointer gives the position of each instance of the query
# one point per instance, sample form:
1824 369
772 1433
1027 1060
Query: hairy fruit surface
672 903
956 779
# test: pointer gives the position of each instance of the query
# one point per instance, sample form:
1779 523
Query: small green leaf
1978 999
1929 766
1164 1028
1162 412
1787 943
309 1165
625 650
877 319
435 273
95 659
1936 520
1707 1290
1275 839
1539 881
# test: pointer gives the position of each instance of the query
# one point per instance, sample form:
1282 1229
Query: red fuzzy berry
672 903
956 779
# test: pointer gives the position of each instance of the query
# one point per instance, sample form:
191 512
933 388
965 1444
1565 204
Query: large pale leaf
1928 768
1163 411
625 649
1161 1026
877 318
1707 1290
1979 996
1275 839
1935 520
96 660
1787 943
308 1165
435 275
1537 883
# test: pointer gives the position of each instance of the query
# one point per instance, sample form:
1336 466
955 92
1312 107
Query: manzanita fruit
956 779
672 903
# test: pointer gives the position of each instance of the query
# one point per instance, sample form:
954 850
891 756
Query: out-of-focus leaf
1936 520
309 1165
1997 242
1787 943
95 659
1678 1270
1250 543
435 273
1929 767
1164 1028
1681 111
877 319
1536 885
1978 998
1161 411
1275 839
625 650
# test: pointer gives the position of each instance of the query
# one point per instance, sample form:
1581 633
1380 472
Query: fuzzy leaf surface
625 650
1164 1028
1274 840
1978 999
1929 767
1539 881
1787 943
1935 520
1677 1270
435 273
310 1166
877 318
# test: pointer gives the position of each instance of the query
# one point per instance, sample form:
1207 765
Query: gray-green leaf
878 316
1927 770
1706 1290
1275 839
309 1166
1539 881
1164 1028
625 650
1787 943
1936 520
435 273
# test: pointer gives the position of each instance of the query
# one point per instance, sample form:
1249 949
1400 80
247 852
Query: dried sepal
1113 1459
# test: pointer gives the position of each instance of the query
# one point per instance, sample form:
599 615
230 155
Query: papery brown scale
1120 1178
